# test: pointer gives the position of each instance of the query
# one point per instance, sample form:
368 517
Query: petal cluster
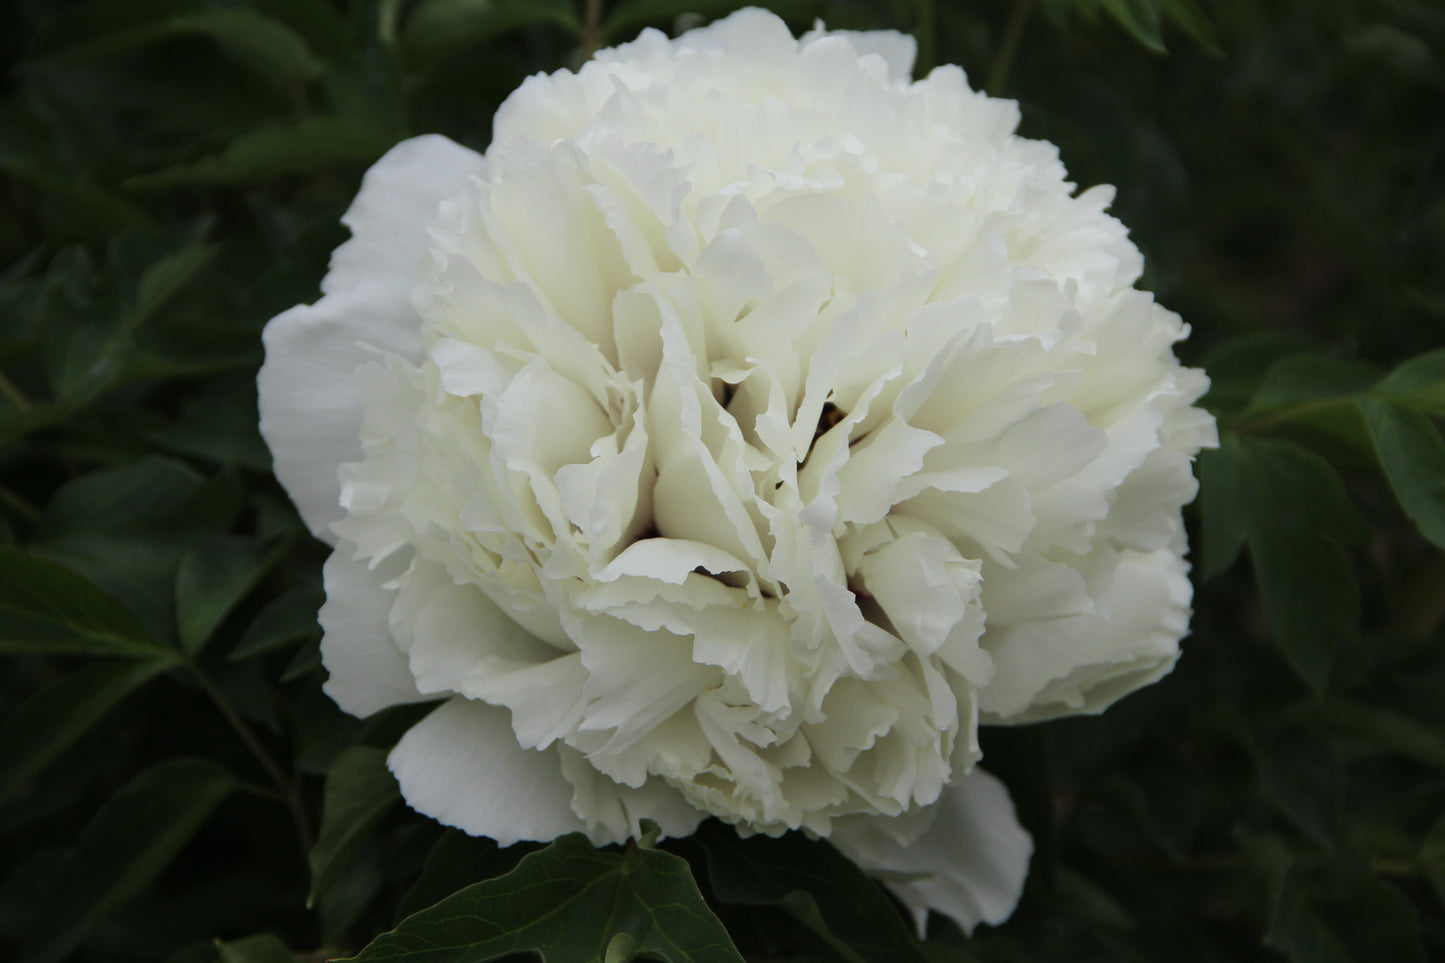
735 436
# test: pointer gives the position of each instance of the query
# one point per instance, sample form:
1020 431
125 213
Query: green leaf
1188 16
457 861
166 277
360 791
196 953
1242 361
1090 899
97 208
127 529
815 884
59 713
567 902
1224 493
306 660
83 335
937 951
1341 914
277 149
1387 730
348 896
1432 848
1413 456
88 320
1300 774
127 844
272 50
46 609
1140 18
1302 379
321 731
211 578
1418 383
139 495
439 29
261 948
1290 507
287 619
318 22
1315 392
218 424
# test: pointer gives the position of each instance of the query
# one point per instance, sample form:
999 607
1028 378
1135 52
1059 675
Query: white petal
545 421
930 593
670 560
310 414
636 678
875 467
753 33
1083 663
462 766
368 672
613 812
545 697
450 629
607 498
898 50
969 864
565 247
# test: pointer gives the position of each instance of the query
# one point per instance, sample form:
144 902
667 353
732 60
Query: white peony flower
740 431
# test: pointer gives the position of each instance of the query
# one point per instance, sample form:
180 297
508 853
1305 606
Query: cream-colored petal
1083 663
968 864
367 672
310 414
462 766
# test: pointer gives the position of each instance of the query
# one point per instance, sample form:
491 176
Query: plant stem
1008 47
12 393
927 47
261 792
19 504
1421 607
591 29
290 791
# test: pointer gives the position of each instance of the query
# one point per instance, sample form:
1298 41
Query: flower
740 431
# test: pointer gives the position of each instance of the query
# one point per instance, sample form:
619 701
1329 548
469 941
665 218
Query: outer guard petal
368 672
310 414
969 864
1083 663
462 766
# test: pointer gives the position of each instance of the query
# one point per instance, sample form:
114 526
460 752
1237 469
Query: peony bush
742 430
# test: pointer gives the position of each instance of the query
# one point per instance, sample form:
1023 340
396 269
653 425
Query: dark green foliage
568 901
814 884
359 793
174 785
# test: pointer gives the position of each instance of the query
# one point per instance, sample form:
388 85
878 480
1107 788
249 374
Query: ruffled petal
462 766
968 864
368 672
310 413
1083 663
614 812
898 50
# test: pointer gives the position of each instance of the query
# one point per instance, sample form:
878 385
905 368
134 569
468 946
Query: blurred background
172 173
